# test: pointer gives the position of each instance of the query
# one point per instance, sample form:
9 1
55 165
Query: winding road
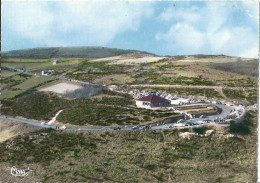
225 111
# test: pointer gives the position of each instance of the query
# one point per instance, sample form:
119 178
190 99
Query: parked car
103 128
116 128
207 121
143 127
135 128
189 124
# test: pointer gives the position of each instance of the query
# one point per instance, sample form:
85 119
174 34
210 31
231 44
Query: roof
152 98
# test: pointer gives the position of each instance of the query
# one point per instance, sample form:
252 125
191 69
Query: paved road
225 111
194 86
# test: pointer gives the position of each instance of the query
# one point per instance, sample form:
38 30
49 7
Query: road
225 111
194 86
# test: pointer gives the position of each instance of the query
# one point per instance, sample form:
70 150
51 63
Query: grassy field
138 156
15 84
249 68
246 96
74 52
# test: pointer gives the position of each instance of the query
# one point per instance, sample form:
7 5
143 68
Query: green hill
72 52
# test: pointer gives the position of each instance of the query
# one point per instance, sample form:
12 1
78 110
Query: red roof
152 98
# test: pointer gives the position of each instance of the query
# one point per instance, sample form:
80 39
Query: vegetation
136 156
241 127
72 52
249 68
17 84
252 96
209 93
200 130
234 94
152 77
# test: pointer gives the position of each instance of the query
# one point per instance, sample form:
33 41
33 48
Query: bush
200 130
242 127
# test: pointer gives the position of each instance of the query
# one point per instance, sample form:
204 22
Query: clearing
62 87
133 58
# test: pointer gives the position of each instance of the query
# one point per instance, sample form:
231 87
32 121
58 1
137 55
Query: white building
152 101
56 62
47 73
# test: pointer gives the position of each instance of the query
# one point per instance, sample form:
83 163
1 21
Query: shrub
200 130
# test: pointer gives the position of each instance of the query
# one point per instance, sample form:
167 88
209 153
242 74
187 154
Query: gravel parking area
61 88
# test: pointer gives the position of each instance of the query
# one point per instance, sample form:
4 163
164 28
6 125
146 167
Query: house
56 62
152 101
48 72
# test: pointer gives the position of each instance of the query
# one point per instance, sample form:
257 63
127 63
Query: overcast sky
163 28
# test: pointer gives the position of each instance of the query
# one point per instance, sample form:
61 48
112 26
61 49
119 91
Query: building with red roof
152 101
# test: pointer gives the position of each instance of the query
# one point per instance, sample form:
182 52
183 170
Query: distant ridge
65 52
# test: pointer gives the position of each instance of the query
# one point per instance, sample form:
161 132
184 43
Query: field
138 156
133 58
246 68
61 88
10 129
16 84
72 52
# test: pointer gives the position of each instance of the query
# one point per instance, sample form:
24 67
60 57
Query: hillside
249 67
206 58
65 52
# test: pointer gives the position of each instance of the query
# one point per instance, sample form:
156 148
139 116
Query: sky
162 28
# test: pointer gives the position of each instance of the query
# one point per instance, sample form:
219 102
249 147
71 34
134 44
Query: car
189 124
143 127
207 121
116 128
103 128
135 128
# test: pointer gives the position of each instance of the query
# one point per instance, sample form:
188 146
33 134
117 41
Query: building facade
151 101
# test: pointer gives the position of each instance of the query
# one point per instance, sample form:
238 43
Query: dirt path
54 118
220 91
192 86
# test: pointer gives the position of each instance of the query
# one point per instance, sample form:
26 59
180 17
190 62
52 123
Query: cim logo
19 171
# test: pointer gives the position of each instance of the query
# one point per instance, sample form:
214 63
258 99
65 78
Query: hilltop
68 52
